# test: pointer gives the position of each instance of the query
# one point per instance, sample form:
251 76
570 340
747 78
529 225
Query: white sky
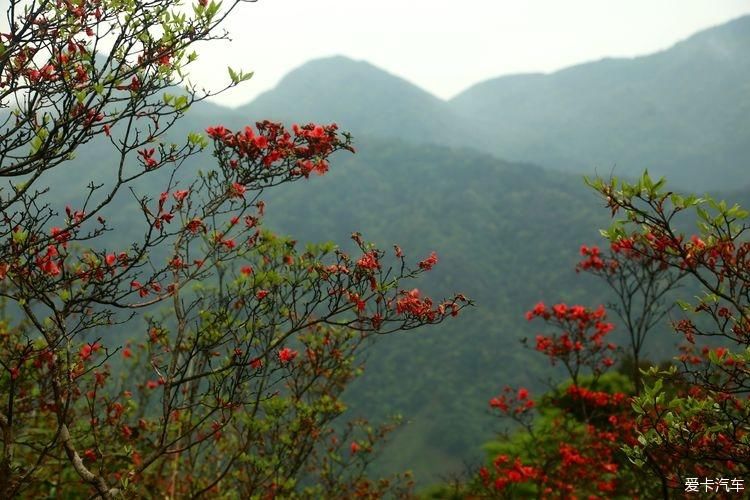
446 46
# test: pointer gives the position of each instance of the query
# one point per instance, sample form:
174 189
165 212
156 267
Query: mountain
365 100
683 113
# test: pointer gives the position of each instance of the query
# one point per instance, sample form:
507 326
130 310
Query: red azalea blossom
287 355
237 190
181 195
369 261
88 349
110 259
195 225
429 262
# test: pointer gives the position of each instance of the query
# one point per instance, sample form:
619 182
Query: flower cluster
411 303
593 258
507 472
272 145
581 341
512 402
599 399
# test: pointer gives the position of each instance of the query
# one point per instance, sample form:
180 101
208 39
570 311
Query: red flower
412 303
88 349
369 261
181 194
195 225
147 157
560 310
499 402
354 447
539 310
218 132
286 355
110 259
429 262
237 190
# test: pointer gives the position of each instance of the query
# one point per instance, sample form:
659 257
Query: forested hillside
495 226
507 234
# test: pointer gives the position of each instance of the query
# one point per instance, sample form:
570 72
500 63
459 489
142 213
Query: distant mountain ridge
683 112
362 98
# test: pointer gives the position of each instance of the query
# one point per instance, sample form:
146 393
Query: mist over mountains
681 113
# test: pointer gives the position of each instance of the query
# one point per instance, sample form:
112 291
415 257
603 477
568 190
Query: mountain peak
334 60
361 97
724 42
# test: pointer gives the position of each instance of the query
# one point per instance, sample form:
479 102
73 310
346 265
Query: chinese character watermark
714 485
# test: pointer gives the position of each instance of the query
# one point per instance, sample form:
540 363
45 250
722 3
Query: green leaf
678 201
685 306
233 75
20 236
181 103
703 214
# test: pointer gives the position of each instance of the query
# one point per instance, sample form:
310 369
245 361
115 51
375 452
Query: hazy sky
446 46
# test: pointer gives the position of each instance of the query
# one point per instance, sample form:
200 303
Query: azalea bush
632 428
695 414
242 340
567 442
